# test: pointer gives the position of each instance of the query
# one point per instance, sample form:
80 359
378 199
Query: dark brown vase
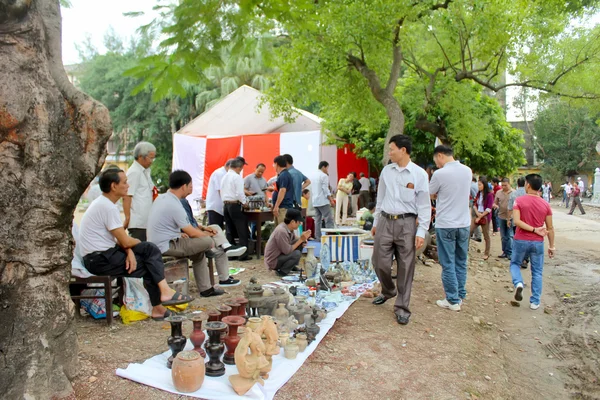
214 348
243 302
232 339
214 316
198 336
176 341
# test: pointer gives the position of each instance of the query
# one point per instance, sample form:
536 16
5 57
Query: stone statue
249 364
269 330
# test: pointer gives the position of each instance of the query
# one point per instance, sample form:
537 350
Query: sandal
485 258
167 314
177 299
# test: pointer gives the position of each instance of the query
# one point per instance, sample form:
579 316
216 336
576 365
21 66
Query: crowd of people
465 208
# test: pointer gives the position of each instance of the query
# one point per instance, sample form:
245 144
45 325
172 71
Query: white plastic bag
136 296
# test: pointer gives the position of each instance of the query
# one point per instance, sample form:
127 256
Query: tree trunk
52 143
396 116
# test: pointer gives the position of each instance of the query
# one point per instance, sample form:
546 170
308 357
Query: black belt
400 216
232 202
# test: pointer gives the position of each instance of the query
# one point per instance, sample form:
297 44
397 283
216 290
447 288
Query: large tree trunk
52 143
396 116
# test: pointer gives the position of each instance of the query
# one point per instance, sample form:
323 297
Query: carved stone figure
249 360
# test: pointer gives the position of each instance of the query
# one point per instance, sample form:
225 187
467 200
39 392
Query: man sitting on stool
284 248
166 222
108 250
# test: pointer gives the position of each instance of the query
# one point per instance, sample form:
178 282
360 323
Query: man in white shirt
170 229
402 217
322 200
581 186
452 185
137 203
234 198
214 202
108 250
363 196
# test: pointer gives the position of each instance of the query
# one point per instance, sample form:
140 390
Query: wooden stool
177 269
76 285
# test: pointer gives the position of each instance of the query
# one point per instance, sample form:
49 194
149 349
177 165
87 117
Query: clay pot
224 310
301 341
290 350
281 313
234 307
188 371
214 315
254 323
214 348
232 339
198 336
283 338
243 302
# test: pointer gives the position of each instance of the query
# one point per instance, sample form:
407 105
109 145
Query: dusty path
490 350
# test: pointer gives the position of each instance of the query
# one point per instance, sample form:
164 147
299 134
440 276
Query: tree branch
397 59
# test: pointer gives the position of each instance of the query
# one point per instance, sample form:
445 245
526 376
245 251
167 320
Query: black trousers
286 262
236 224
214 218
150 266
138 233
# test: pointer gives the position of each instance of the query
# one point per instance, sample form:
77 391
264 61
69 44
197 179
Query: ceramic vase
301 341
213 315
243 302
234 307
224 310
232 339
283 338
198 336
291 349
281 313
310 263
325 257
214 348
176 341
188 371
254 323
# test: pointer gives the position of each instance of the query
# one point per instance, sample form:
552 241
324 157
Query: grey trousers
286 262
576 203
396 238
323 213
194 249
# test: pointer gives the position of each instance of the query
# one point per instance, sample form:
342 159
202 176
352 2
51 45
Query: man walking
452 184
137 203
576 197
402 217
363 195
322 200
530 214
511 202
232 192
501 204
214 202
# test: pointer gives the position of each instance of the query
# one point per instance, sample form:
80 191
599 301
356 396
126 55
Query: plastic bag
129 316
95 307
136 297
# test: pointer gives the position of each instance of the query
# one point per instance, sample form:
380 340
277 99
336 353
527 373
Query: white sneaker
444 304
234 251
519 292
534 306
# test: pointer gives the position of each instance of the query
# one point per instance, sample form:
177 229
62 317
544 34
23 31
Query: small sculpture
250 364
312 329
269 330
176 341
323 283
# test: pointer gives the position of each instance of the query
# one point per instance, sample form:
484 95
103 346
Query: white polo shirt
232 187
213 198
140 188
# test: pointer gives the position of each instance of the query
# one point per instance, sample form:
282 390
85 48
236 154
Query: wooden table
259 217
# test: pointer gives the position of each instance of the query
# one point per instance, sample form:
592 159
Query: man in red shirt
530 214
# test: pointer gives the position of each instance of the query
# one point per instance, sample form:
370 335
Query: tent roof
239 113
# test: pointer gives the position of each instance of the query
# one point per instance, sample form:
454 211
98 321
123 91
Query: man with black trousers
108 250
234 199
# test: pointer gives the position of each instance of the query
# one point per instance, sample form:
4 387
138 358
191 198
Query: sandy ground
489 350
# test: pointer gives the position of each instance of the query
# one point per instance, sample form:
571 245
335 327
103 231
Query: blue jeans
453 247
535 251
506 235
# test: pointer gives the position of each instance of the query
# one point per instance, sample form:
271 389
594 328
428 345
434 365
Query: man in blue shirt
284 197
300 181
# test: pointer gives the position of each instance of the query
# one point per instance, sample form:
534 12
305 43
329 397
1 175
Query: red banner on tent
261 149
218 151
348 162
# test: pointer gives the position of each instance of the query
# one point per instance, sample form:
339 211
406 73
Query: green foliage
566 136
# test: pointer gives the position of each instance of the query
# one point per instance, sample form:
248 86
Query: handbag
482 221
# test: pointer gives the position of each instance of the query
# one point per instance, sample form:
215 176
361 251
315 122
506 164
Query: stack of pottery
188 371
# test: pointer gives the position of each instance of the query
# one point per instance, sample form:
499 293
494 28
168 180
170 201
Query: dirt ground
489 350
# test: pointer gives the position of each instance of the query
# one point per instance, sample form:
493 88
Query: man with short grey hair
137 203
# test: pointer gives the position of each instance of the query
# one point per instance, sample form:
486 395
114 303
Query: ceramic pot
188 371
301 341
243 302
310 263
291 349
214 348
232 339
176 341
283 338
281 313
213 315
224 310
234 307
198 336
254 323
